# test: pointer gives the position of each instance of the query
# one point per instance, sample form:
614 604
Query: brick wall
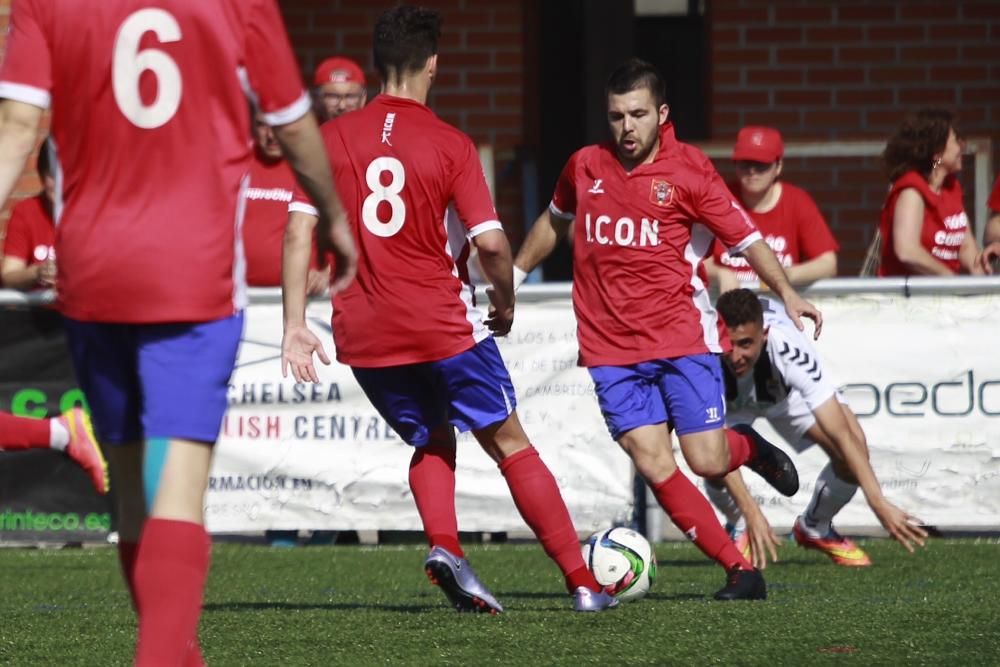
825 69
480 83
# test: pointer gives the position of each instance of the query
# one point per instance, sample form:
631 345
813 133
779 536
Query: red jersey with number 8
152 131
415 193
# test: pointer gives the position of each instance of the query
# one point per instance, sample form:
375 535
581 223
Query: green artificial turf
351 605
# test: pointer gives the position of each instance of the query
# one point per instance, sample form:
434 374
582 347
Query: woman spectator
924 228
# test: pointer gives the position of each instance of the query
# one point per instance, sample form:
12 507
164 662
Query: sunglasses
754 167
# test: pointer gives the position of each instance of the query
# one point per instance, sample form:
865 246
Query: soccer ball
622 561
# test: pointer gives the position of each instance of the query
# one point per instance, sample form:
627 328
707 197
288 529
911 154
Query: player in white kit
775 372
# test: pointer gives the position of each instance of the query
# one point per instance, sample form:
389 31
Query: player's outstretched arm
547 231
18 135
769 270
759 531
298 343
832 418
303 148
495 259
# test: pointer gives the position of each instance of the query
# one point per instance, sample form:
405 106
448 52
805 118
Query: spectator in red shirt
992 234
29 253
340 87
923 226
786 216
271 185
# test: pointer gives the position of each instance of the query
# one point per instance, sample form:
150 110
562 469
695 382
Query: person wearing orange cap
340 87
786 216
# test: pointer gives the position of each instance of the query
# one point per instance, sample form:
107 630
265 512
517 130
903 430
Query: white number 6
128 63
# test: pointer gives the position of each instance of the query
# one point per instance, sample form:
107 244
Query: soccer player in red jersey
408 326
785 215
148 210
923 225
647 209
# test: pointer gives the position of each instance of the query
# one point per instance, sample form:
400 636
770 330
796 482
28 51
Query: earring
937 163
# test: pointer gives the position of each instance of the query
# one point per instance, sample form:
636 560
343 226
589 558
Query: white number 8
384 193
128 63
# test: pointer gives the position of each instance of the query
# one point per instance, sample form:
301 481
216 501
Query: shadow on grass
328 606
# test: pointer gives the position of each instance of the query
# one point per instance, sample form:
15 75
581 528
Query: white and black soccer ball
622 561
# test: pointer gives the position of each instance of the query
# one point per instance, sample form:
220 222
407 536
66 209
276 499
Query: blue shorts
146 381
471 390
687 391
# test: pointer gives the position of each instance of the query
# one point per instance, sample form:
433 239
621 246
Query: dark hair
405 37
634 74
921 134
740 306
42 166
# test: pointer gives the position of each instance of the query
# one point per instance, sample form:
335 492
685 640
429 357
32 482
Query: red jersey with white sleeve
794 229
31 234
994 200
944 228
415 194
640 290
151 126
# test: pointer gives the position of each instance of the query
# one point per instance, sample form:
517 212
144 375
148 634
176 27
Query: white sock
829 497
719 496
58 435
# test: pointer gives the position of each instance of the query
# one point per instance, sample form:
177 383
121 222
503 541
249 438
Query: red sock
741 449
127 551
692 513
541 506
432 482
24 432
170 571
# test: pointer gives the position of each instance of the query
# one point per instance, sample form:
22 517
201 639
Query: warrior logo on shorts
661 193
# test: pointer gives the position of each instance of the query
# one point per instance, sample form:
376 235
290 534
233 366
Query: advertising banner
918 371
44 496
319 456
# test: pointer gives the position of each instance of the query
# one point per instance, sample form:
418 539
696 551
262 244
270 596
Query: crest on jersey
661 193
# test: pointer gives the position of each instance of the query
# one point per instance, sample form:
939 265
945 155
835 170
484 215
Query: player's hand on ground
297 348
762 540
797 308
345 258
903 528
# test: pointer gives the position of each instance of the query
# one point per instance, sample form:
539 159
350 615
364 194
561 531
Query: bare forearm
992 233
303 148
817 268
296 250
741 494
25 278
547 231
497 264
917 260
768 269
18 134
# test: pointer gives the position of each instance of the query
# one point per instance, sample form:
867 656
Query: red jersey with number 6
415 194
152 131
640 290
